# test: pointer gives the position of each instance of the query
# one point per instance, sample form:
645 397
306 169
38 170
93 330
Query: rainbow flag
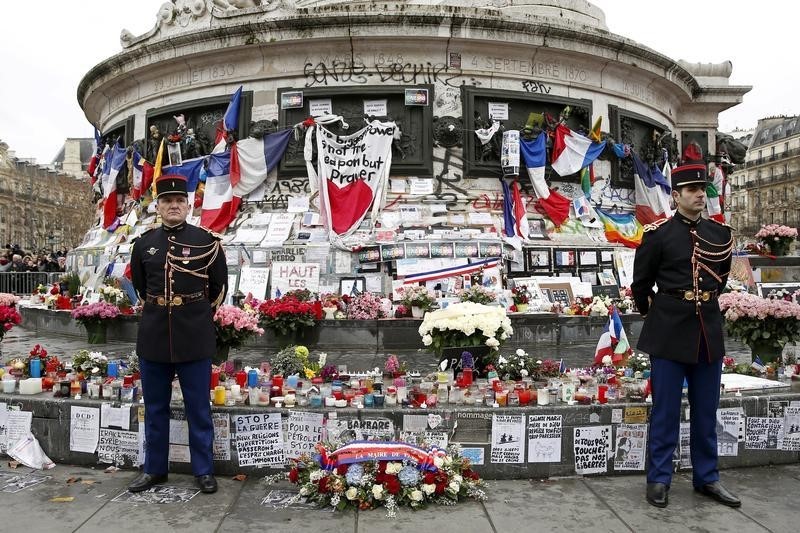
624 228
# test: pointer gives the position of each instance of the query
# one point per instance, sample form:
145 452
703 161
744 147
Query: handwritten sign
544 438
635 415
253 281
294 276
347 429
280 227
118 447
507 435
763 433
630 447
375 108
259 439
303 431
84 429
320 106
591 445
119 417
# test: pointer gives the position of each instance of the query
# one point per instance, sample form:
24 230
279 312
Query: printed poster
84 429
507 439
544 438
791 429
630 447
591 445
728 422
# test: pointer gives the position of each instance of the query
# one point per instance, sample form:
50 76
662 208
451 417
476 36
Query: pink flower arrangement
771 231
365 306
95 313
754 319
8 299
235 325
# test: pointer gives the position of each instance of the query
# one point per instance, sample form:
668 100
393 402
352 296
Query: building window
785 147
772 151
772 217
785 217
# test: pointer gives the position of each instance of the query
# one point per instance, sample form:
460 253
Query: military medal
185 252
152 251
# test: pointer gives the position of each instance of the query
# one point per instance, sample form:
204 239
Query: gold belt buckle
177 300
706 296
160 300
688 295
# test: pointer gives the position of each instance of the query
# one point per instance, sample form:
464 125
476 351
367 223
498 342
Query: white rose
305 491
607 360
520 352
454 486
316 475
523 373
416 495
377 491
427 340
428 488
438 462
457 478
448 460
492 342
394 468
352 493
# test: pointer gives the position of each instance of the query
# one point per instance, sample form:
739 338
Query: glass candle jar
501 397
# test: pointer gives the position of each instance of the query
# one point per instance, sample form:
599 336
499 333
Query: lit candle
543 397
9 384
501 397
219 395
253 394
236 391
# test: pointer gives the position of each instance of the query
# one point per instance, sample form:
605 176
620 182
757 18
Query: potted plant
417 297
520 297
233 327
483 328
95 318
477 294
288 316
365 306
331 303
777 238
766 325
90 363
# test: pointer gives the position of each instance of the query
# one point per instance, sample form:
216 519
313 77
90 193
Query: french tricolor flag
219 203
230 120
115 159
515 219
572 151
613 342
142 175
652 192
253 159
549 201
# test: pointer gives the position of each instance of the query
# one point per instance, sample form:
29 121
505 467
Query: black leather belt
176 300
690 295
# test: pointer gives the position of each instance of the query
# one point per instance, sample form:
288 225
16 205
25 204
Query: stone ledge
51 427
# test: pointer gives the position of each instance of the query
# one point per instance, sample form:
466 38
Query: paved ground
568 504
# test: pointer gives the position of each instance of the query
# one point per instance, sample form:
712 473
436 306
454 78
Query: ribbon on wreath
364 451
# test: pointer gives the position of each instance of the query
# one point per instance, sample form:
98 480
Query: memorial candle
219 395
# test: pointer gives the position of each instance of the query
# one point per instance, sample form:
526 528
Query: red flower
294 475
341 469
470 474
382 467
380 478
323 484
392 484
429 478
440 488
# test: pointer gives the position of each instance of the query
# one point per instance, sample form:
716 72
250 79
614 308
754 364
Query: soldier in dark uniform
179 271
688 259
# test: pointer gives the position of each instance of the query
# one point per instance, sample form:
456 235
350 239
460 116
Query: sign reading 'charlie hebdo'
351 174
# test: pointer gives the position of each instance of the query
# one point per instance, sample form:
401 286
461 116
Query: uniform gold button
171 247
699 279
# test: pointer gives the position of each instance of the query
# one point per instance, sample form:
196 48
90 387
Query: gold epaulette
217 236
721 223
654 225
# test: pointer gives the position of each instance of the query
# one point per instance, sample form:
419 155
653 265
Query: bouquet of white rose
465 324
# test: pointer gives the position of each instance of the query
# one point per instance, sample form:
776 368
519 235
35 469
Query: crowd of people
15 259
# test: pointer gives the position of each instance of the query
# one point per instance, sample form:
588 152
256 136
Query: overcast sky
46 47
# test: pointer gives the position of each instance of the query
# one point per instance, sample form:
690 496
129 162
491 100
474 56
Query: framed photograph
416 250
416 97
369 254
532 285
606 257
369 268
352 286
174 153
537 229
490 249
560 291
606 277
390 252
538 259
587 258
442 249
292 100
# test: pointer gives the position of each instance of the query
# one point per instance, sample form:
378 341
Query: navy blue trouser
195 380
666 380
